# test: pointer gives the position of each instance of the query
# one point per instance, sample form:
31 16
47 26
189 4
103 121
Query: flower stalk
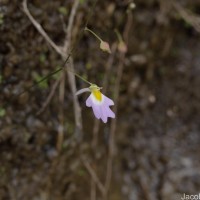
104 46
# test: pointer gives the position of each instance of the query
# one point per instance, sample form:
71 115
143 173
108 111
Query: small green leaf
81 172
2 112
1 18
1 78
112 79
2 170
88 66
63 10
43 84
82 1
42 58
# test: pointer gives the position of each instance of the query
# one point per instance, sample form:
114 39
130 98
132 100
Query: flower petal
110 113
101 109
108 101
97 111
89 102
82 91
104 116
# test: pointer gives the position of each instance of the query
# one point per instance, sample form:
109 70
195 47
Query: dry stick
93 190
60 137
40 29
93 175
50 96
71 78
68 37
188 16
114 122
63 51
108 67
113 125
104 85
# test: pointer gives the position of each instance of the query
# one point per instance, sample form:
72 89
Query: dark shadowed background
150 151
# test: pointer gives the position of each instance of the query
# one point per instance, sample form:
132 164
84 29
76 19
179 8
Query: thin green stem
79 76
118 35
87 29
41 80
82 78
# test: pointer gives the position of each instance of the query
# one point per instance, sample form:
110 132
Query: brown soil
158 130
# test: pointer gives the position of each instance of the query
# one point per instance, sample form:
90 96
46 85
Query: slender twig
50 96
40 29
71 77
60 137
93 33
77 109
114 122
63 23
188 16
93 175
93 190
69 27
113 125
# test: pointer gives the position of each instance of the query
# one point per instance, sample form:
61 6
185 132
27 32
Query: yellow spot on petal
97 95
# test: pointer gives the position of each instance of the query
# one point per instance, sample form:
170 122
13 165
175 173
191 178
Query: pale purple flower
100 103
